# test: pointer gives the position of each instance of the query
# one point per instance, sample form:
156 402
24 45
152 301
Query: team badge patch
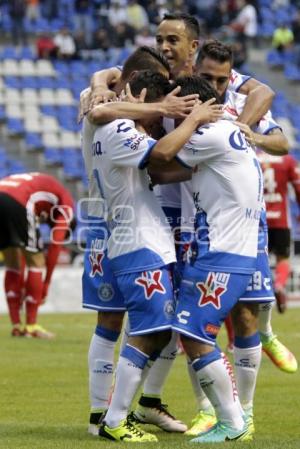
151 282
212 289
169 309
96 256
106 292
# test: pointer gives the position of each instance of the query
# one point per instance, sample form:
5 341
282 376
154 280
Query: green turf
44 399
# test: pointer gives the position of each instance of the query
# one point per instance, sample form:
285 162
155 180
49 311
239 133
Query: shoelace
130 426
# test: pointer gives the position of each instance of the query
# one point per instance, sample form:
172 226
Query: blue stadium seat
274 58
46 82
49 110
16 167
29 82
9 52
53 156
13 82
2 114
15 126
27 53
291 72
33 141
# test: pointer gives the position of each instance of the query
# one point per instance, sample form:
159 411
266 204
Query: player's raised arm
258 102
101 83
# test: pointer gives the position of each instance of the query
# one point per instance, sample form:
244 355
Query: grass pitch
44 391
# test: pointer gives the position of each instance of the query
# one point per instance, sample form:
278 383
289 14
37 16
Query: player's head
177 37
214 63
145 58
197 85
157 85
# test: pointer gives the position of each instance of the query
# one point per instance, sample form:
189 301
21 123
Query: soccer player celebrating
138 258
27 200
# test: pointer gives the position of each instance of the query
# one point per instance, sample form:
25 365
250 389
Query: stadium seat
12 82
32 125
53 156
69 139
10 67
29 82
51 140
14 126
30 96
27 53
46 82
64 97
44 68
12 96
33 142
14 111
49 124
27 68
47 97
31 110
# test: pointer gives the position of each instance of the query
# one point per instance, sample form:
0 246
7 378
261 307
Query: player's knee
35 260
244 317
111 320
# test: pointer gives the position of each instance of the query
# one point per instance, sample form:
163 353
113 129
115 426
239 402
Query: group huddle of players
198 168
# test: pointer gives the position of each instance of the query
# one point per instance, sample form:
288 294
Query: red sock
12 287
33 294
229 329
282 272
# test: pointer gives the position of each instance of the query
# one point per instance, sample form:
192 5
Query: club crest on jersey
106 292
96 256
151 282
212 289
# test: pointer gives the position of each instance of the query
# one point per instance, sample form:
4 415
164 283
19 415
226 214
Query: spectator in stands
144 37
33 10
137 15
82 20
296 33
28 200
117 14
17 11
65 44
123 35
282 38
45 46
49 9
245 23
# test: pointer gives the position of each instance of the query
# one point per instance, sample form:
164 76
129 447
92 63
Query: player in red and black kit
27 200
279 171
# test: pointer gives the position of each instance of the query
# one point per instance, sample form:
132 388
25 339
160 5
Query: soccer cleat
160 417
281 300
279 354
37 331
249 420
95 421
17 331
202 422
222 432
126 432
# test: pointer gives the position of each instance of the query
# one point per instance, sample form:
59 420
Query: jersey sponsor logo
122 128
151 282
237 141
106 292
212 289
182 316
96 256
134 141
212 329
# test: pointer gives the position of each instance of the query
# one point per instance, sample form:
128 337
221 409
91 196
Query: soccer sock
158 373
100 362
264 320
125 335
12 287
247 358
282 272
216 378
33 293
201 399
128 378
229 329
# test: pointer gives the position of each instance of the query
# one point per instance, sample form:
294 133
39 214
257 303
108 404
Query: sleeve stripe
145 159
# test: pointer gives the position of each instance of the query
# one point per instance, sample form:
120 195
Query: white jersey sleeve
207 143
237 80
125 145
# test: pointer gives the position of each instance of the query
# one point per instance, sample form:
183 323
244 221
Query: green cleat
249 420
279 354
126 432
202 422
222 432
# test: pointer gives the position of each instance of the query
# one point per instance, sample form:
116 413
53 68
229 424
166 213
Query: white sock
247 363
201 399
264 319
125 334
128 380
216 379
160 369
100 360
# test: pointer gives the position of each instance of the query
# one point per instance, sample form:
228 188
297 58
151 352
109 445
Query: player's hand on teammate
101 94
249 134
178 107
206 112
126 95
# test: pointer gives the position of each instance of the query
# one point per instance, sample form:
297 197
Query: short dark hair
196 85
156 84
190 22
145 58
214 49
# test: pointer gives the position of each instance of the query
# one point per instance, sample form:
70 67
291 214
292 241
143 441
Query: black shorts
13 223
280 241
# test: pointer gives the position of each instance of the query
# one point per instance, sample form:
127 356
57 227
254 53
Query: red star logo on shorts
150 280
96 263
210 292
